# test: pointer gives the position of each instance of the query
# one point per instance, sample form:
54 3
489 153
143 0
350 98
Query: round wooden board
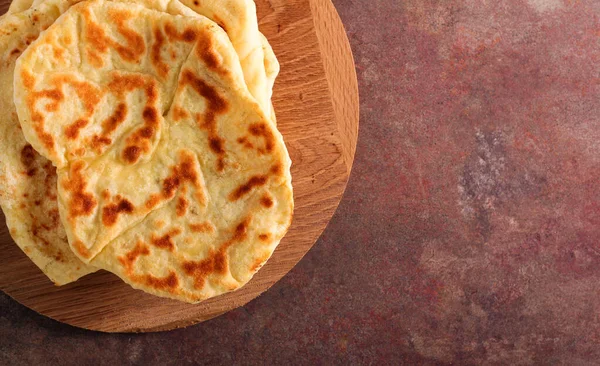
316 101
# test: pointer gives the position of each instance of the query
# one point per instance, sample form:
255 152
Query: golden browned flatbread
169 172
27 194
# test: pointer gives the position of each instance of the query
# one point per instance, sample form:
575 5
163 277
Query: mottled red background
470 230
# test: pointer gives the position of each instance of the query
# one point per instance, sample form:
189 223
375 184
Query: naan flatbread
171 175
29 200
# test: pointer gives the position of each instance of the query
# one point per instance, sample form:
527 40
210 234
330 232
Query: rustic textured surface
470 230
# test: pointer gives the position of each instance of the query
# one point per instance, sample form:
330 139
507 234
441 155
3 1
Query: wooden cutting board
316 102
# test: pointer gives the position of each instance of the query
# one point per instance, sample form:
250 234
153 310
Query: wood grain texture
340 73
316 102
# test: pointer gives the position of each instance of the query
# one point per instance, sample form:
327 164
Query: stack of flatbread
138 137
